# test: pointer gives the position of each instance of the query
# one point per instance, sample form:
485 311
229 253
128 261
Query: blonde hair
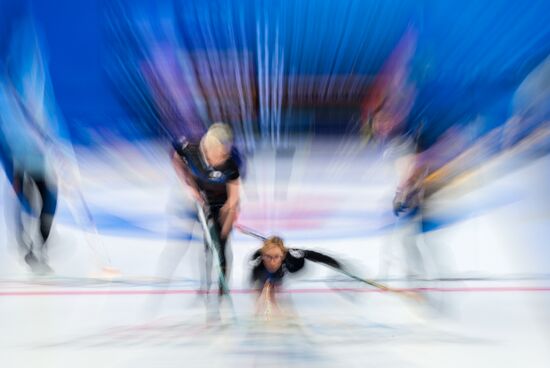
219 133
273 242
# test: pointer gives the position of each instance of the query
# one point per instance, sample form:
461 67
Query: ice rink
128 295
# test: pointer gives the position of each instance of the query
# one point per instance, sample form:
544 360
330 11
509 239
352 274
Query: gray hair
221 133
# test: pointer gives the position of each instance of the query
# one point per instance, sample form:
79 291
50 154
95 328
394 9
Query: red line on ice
252 291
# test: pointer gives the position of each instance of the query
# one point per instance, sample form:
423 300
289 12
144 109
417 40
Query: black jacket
294 261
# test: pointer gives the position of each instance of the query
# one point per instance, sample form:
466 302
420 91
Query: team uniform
294 261
211 183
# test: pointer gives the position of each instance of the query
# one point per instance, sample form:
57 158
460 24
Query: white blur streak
270 79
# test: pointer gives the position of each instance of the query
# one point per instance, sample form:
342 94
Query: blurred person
272 262
26 126
210 171
420 180
386 111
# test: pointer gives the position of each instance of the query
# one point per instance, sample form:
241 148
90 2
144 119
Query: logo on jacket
215 174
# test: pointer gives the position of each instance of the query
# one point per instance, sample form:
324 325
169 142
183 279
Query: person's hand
226 229
408 200
399 204
228 214
198 198
226 211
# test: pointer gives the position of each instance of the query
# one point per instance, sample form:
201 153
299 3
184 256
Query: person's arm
255 262
230 208
186 177
294 260
317 257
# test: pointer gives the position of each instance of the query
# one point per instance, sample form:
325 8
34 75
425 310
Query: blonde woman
274 260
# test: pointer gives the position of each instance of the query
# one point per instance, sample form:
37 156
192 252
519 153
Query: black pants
220 242
26 185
